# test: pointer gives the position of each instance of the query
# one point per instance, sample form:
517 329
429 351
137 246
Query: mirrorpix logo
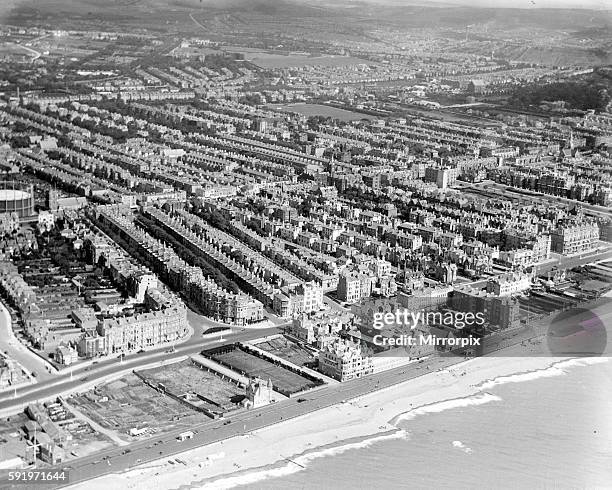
577 332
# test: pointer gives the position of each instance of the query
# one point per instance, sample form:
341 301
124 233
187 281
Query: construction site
132 409
196 386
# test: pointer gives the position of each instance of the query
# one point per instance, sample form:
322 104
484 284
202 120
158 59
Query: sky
588 4
7 5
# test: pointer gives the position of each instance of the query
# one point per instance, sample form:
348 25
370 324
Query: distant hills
425 13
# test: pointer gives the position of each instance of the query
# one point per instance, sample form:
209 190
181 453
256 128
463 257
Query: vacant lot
129 403
288 350
186 378
12 441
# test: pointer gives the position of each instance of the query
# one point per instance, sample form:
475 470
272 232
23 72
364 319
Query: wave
300 463
467 401
297 464
556 369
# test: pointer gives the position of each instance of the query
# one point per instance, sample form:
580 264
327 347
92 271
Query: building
523 242
349 288
442 177
303 330
498 310
142 330
516 258
575 238
183 436
372 180
10 372
509 284
304 298
477 87
18 198
66 355
343 360
91 344
51 453
139 283
46 221
259 393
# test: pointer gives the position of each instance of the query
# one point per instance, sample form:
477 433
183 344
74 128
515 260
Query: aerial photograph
305 244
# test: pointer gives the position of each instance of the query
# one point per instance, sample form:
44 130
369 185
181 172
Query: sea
549 428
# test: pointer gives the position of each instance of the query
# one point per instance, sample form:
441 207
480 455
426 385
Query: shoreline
289 446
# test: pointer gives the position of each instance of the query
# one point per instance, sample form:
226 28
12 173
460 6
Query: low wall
221 370
86 386
304 371
176 397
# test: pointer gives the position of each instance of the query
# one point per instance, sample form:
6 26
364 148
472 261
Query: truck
185 435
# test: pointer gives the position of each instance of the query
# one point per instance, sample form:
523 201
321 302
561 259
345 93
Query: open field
13 49
267 60
274 60
284 381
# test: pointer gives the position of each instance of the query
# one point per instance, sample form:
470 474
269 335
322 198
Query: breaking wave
556 369
294 465
468 401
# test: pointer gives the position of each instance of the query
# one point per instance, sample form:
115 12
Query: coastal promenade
243 423
71 382
114 461
117 460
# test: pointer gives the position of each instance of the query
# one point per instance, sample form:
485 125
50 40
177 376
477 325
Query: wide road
117 460
165 447
15 350
67 382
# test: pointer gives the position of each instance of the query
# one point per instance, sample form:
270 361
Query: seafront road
70 382
246 421
117 460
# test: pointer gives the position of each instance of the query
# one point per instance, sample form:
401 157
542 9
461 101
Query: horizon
502 4
598 5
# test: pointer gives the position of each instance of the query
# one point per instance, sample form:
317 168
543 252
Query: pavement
117 460
19 352
70 382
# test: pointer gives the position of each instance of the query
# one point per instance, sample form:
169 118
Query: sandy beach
288 447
